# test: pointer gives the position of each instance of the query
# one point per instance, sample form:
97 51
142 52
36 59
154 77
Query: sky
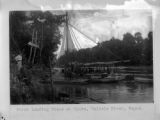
117 19
102 25
113 21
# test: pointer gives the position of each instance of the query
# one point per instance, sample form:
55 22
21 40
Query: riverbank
39 90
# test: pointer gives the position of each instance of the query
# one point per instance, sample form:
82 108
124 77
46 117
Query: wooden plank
34 49
106 63
33 45
31 48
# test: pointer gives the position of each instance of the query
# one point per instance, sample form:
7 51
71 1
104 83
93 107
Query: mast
67 32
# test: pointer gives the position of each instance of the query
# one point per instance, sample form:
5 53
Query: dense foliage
134 48
22 25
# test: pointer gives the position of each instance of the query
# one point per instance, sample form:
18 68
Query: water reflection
104 93
122 92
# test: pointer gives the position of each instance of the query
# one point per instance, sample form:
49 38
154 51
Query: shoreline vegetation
37 88
134 48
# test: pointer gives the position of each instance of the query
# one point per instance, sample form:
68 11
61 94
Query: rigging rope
76 41
82 33
72 38
77 44
94 41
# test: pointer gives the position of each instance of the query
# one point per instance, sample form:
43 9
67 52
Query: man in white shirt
18 59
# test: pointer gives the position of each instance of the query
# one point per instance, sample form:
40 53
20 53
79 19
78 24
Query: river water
122 92
90 93
130 91
107 93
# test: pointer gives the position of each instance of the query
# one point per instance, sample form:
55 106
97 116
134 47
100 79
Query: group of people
79 70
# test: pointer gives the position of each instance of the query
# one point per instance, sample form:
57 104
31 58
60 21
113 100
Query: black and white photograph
81 57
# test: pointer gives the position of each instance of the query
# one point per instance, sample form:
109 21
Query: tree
148 49
138 52
128 45
134 48
19 33
22 25
138 37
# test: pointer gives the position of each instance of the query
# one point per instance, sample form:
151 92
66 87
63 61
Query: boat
99 72
106 72
112 78
75 72
74 81
143 80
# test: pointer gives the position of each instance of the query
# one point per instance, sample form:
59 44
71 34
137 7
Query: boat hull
109 79
143 80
